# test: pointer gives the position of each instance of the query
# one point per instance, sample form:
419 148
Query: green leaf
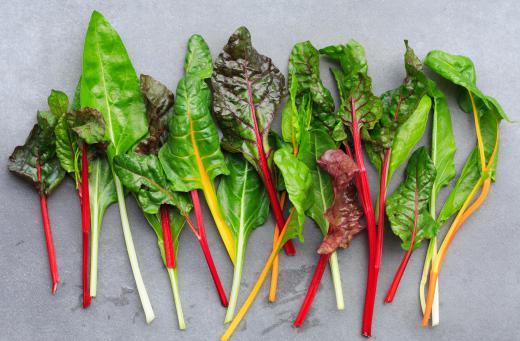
110 85
408 134
144 176
192 158
400 206
298 182
242 197
468 178
398 106
88 124
102 190
237 69
354 84
321 189
461 71
304 66
58 103
443 142
198 58
159 102
39 146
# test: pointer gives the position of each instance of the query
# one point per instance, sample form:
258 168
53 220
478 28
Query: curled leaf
88 123
344 213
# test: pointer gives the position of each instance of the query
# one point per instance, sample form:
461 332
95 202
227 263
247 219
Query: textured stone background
40 48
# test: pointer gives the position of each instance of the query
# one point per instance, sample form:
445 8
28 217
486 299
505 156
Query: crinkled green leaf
298 182
354 84
192 152
159 101
39 145
244 80
88 124
398 106
198 58
304 65
144 176
400 206
110 85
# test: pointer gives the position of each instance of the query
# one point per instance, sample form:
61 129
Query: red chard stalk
36 162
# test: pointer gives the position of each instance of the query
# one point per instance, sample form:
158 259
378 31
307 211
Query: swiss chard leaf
110 85
198 58
245 84
400 206
298 182
304 67
39 148
354 85
344 213
398 106
159 101
144 176
102 190
177 222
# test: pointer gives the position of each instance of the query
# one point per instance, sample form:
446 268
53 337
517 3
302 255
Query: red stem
266 176
313 288
169 254
400 270
371 225
85 223
47 231
205 248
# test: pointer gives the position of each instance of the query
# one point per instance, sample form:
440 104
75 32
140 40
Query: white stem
95 228
435 307
127 232
237 277
336 280
172 273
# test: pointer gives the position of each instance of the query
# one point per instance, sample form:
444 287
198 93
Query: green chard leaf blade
110 85
144 176
354 85
398 106
39 147
88 124
159 101
243 78
443 142
400 206
344 213
58 103
242 196
304 67
298 182
102 190
198 58
191 157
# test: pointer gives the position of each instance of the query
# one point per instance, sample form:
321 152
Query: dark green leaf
400 206
110 85
58 103
159 102
198 58
39 147
243 81
144 176
88 124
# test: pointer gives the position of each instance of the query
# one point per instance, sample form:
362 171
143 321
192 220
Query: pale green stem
237 277
172 273
95 218
127 233
336 280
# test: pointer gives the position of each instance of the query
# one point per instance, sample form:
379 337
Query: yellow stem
478 132
261 279
274 271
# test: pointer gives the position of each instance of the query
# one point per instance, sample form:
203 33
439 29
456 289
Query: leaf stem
94 242
169 254
205 248
132 255
274 271
85 222
313 288
172 273
336 280
402 267
237 277
266 175
51 253
261 279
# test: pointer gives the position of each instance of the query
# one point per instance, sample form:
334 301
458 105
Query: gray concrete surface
40 49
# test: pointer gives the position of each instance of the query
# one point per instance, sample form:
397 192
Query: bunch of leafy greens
480 168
